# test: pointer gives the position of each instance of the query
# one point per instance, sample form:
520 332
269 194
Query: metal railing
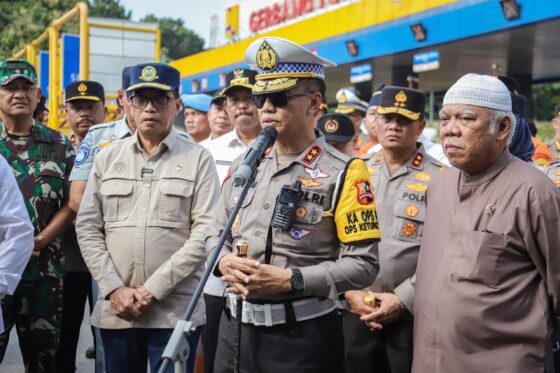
52 33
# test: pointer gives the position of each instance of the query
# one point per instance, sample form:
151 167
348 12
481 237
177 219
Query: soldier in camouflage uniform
41 160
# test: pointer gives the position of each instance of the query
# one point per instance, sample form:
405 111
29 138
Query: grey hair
496 117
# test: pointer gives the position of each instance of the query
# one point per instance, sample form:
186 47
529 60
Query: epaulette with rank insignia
417 161
312 154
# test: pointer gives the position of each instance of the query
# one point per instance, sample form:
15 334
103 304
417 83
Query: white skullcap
479 90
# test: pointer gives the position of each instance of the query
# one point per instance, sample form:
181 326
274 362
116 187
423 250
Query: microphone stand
177 349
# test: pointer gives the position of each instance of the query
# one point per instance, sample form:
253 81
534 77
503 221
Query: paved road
12 361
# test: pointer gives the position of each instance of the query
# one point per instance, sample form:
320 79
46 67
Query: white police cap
282 64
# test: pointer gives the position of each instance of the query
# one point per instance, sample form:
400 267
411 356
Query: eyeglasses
278 99
159 101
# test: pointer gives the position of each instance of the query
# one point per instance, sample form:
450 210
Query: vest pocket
175 199
117 199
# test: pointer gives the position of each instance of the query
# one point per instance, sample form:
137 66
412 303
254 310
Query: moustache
243 113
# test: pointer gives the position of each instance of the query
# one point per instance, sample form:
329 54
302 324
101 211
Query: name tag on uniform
223 163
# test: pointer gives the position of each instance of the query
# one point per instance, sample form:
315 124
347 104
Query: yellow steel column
53 77
84 41
158 45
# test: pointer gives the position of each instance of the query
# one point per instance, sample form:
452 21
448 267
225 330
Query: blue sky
195 13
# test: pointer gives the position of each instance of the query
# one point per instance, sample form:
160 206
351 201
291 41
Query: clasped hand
129 303
387 308
248 277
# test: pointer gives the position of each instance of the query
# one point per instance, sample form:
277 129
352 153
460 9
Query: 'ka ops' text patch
355 215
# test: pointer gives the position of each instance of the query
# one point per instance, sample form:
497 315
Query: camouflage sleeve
84 158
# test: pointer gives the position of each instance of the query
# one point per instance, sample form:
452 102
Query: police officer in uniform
339 132
299 262
554 144
378 335
351 105
41 160
553 172
85 107
98 137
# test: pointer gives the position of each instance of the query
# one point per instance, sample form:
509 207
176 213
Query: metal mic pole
177 349
242 246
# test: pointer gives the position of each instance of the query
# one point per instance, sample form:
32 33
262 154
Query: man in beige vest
142 224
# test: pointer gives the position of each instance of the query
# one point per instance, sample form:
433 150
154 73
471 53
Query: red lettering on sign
283 11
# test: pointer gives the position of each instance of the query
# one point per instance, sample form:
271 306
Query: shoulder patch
83 151
355 215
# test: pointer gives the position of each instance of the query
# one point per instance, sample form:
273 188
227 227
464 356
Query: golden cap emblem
267 59
238 73
149 73
342 98
331 126
82 88
400 99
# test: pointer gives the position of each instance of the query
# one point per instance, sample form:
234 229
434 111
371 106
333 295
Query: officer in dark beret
338 130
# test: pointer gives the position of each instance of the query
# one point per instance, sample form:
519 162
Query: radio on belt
285 206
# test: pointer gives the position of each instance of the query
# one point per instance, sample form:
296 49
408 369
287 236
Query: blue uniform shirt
98 137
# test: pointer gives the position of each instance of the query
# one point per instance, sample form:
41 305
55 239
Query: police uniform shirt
328 266
143 221
553 172
401 207
74 260
97 138
554 147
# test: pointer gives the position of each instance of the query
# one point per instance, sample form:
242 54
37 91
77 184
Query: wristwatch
297 281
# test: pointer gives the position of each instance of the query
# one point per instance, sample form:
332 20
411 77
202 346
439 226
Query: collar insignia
312 154
418 159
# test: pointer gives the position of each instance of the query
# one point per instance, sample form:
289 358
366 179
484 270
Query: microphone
255 155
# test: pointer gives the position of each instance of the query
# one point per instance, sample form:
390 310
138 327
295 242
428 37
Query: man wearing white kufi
488 276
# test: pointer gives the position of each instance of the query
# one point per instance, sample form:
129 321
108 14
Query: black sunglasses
278 99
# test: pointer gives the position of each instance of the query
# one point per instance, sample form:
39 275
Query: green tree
177 40
23 20
108 9
546 97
